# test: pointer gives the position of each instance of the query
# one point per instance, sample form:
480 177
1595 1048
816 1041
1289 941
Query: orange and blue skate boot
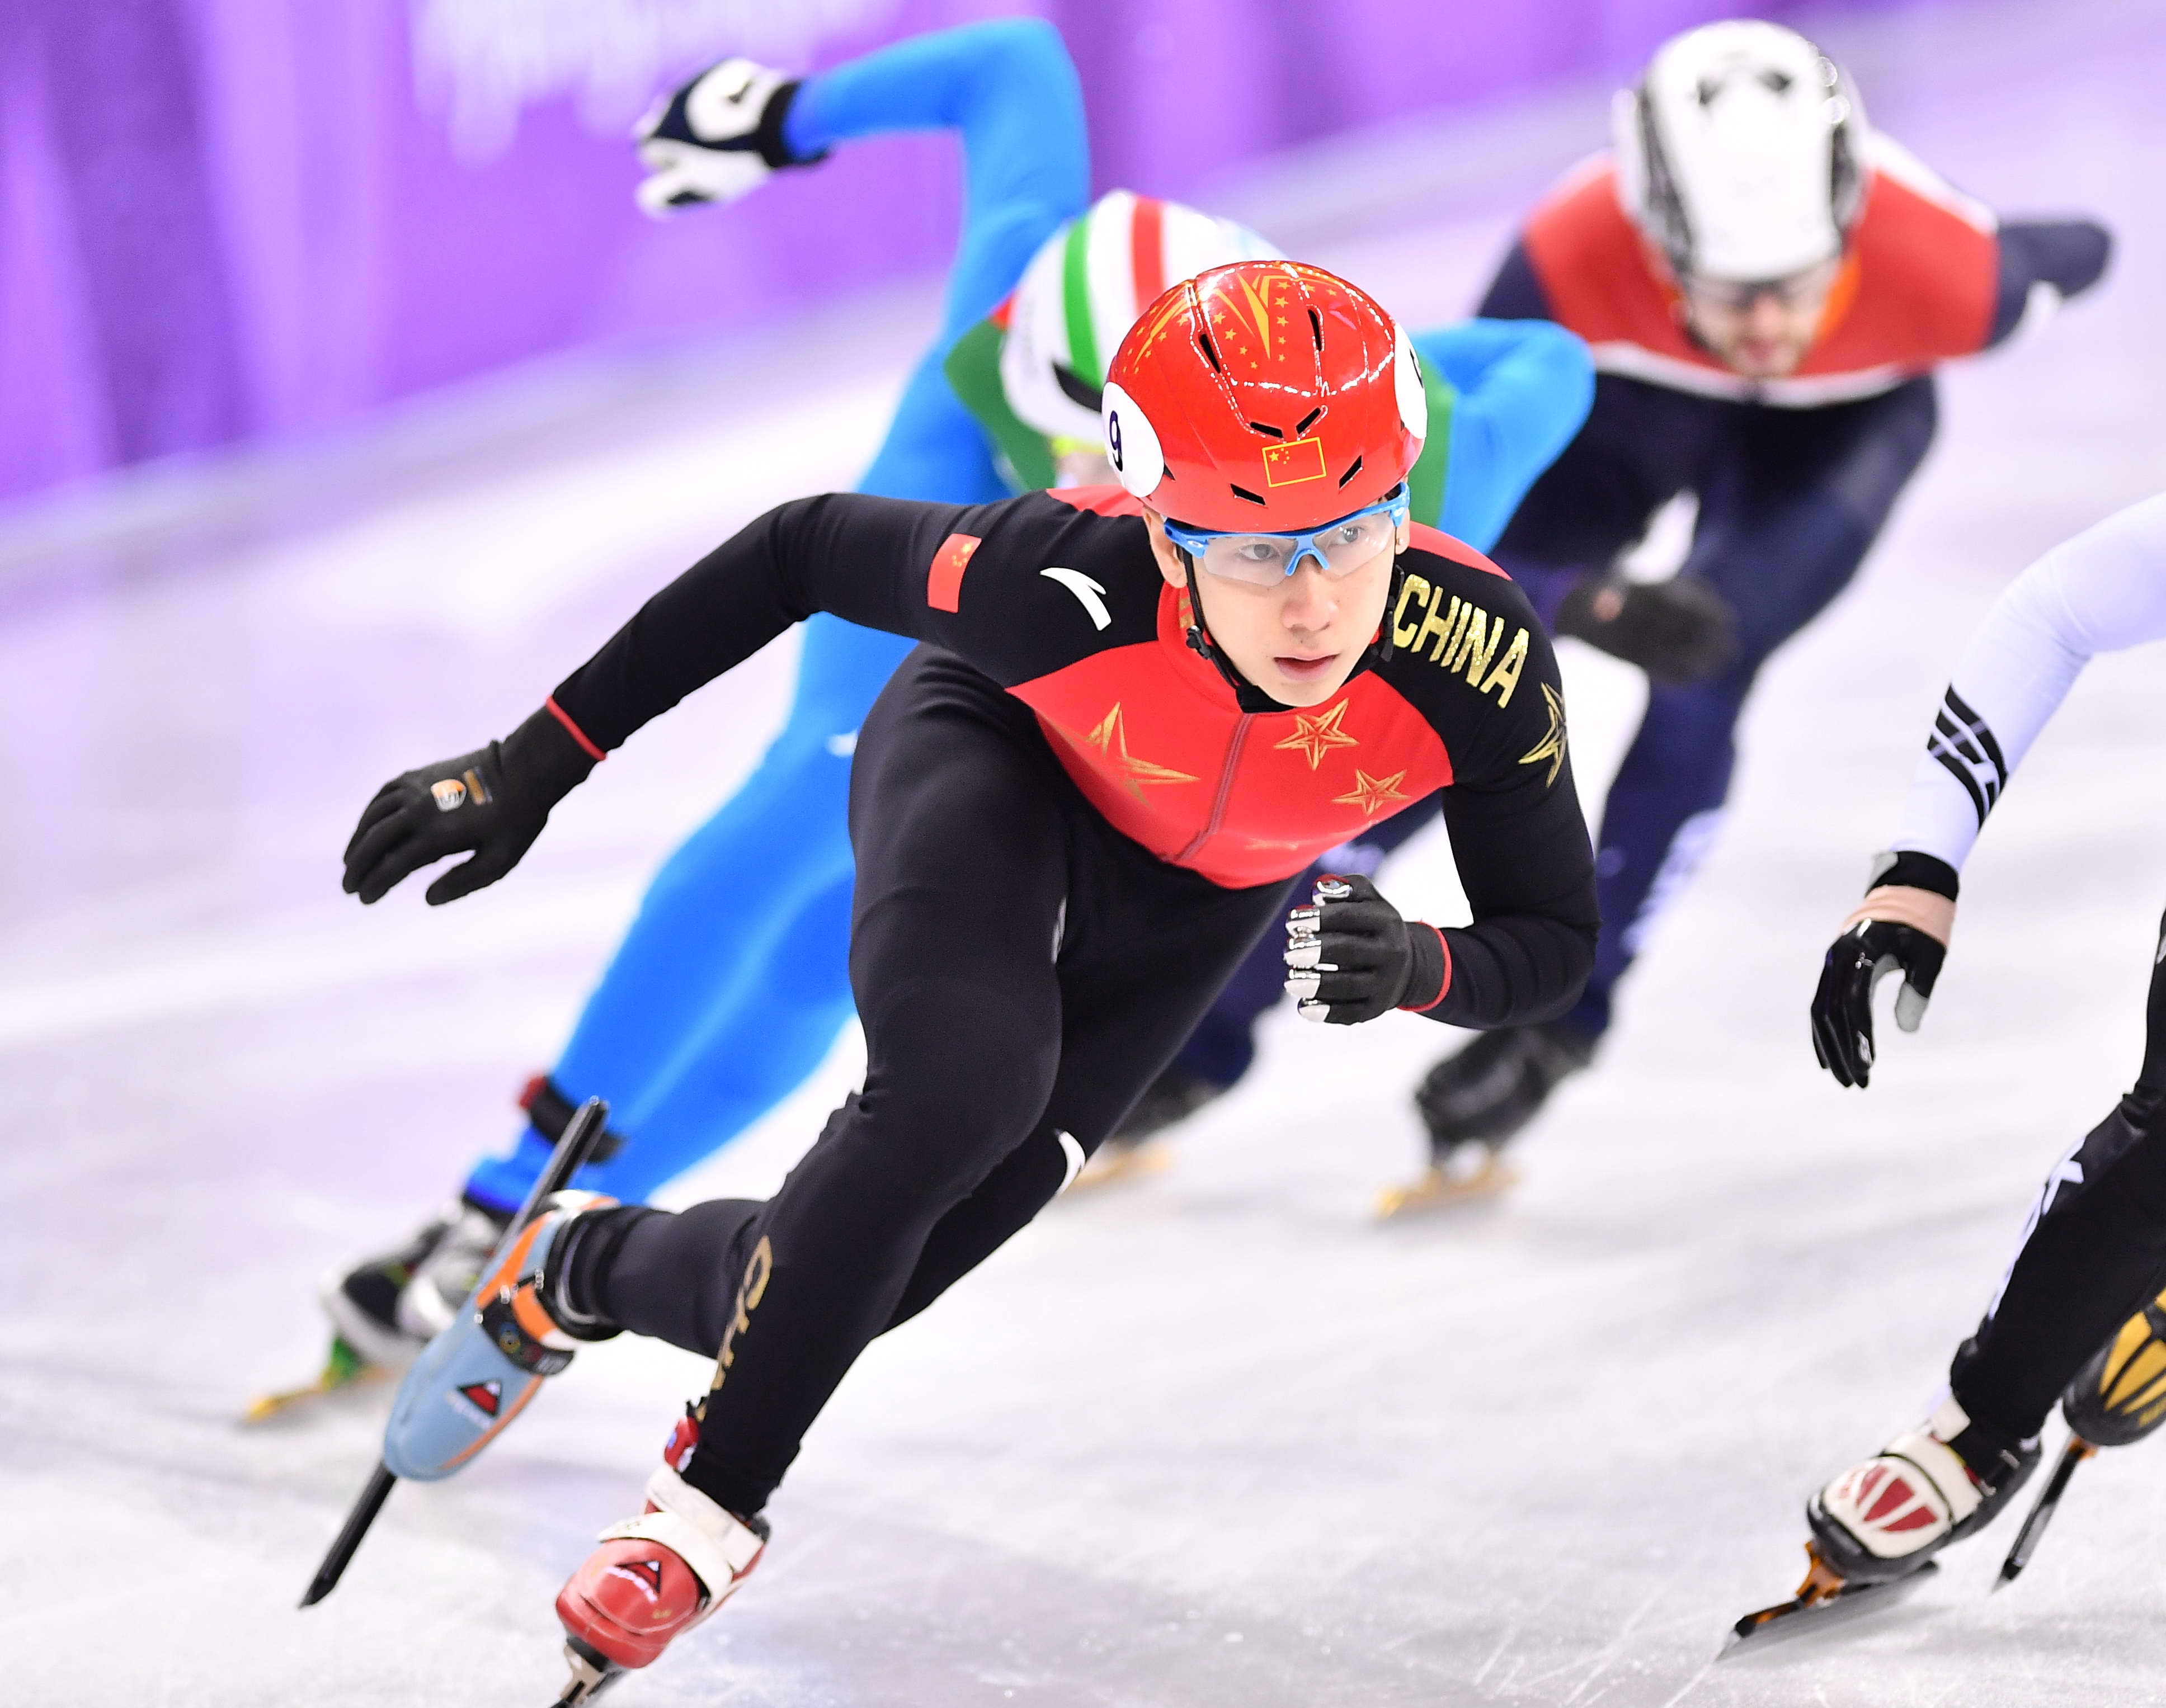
513 1332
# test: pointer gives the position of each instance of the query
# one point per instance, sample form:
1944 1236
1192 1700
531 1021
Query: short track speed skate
482 1371
1473 1103
343 1368
1877 1526
379 1309
1474 1173
388 1306
653 1578
473 1379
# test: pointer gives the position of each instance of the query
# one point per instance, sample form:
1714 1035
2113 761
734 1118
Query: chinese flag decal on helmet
1263 395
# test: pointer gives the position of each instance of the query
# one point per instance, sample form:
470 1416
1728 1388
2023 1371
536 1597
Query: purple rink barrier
228 219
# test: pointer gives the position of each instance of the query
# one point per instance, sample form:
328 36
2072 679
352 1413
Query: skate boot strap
515 1304
551 1111
719 1547
1993 1457
1965 1460
1946 1479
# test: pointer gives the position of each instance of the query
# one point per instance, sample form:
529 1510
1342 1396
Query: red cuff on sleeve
1445 950
578 735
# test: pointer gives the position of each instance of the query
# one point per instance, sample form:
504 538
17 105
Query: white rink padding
1209 1438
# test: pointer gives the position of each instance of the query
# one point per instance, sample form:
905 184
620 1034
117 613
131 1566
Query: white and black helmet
1741 152
1084 289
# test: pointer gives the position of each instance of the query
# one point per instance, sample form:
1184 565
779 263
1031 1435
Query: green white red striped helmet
1084 289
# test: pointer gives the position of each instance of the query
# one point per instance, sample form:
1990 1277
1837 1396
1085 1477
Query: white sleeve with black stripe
2102 591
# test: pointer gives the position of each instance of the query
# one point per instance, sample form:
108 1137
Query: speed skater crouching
1072 816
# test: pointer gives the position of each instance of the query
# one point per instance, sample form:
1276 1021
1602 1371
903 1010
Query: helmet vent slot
1263 427
1077 389
1316 327
1352 469
1243 492
1210 352
1307 421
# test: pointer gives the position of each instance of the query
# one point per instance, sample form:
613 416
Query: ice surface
1215 1439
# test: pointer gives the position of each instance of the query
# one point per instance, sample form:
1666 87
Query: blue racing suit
715 1008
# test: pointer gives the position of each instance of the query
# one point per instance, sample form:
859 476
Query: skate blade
2074 1452
1121 1166
1822 1603
592 1673
1441 1188
343 1368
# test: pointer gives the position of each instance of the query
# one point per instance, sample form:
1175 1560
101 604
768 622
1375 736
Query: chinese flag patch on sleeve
944 583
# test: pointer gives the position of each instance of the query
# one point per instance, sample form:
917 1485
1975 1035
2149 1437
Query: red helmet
1267 395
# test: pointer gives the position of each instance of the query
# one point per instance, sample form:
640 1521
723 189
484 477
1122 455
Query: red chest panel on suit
1921 288
1151 735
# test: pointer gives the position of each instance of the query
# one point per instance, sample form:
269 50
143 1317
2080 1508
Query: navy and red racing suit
1793 477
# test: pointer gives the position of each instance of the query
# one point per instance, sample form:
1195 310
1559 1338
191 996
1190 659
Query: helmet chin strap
1246 694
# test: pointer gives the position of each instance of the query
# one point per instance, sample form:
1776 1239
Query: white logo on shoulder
1092 595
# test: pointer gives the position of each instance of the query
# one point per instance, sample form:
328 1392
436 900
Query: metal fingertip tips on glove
1304 950
1910 1006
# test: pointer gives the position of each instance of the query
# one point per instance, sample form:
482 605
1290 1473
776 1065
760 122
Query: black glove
493 801
1353 958
717 138
1678 631
1870 948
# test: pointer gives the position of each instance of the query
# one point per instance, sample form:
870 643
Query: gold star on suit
1372 794
1317 736
1552 747
1111 735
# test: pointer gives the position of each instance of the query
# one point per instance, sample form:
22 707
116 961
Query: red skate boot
653 1578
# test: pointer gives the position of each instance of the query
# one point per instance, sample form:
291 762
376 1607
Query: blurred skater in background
1767 285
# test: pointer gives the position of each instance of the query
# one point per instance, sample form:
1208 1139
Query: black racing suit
2093 1252
1023 967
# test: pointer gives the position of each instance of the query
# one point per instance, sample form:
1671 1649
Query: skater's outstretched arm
2103 591
1520 388
2041 263
883 563
1010 92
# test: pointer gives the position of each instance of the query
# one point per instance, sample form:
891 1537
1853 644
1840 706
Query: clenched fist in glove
1903 925
1678 631
1352 957
492 803
716 139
